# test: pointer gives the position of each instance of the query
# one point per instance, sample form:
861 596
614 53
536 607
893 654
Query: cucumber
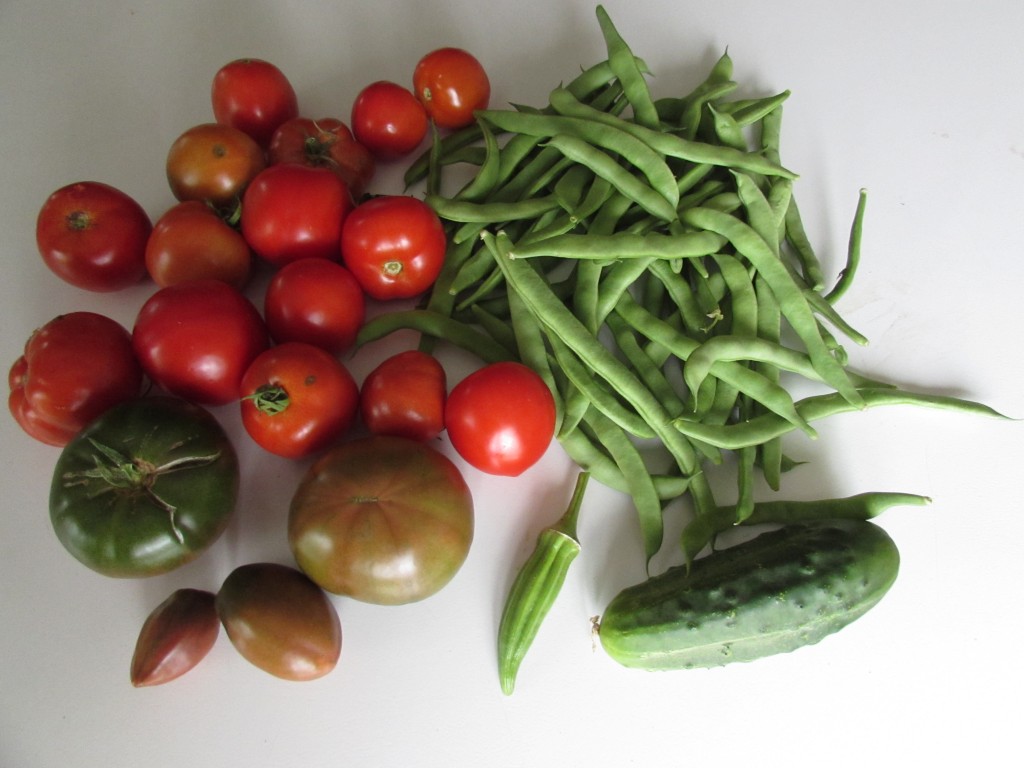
777 592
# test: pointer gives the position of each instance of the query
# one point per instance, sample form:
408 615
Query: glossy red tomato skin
501 418
93 236
394 245
253 96
74 369
451 84
383 520
292 212
315 301
313 396
191 241
197 338
389 120
404 396
213 163
324 143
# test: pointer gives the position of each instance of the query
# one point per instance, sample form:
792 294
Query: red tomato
501 418
253 96
292 212
315 301
404 396
93 236
388 120
191 241
326 143
196 339
394 245
213 163
451 84
74 369
297 400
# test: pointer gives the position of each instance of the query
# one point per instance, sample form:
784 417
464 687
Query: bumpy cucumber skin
780 591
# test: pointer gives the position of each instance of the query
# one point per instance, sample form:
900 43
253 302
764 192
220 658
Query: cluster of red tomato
262 185
261 182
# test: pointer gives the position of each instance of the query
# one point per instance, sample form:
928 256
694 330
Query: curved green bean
792 302
747 381
465 211
624 65
604 165
581 449
622 245
489 173
815 407
438 325
671 145
744 348
852 252
606 135
702 531
750 111
641 488
600 398
727 129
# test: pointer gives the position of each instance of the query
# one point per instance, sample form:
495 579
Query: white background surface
921 106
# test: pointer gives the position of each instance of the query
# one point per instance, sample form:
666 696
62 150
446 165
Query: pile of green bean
647 258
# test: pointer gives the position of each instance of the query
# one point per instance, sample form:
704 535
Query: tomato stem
121 472
232 216
392 268
78 220
270 399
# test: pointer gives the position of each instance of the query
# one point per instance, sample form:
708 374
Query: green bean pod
536 587
767 426
701 531
622 245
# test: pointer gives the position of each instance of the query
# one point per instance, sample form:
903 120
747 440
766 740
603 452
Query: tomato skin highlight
324 143
191 241
383 520
196 339
394 245
292 212
451 84
404 396
93 236
316 301
168 490
501 418
253 96
297 400
388 120
213 163
280 621
73 369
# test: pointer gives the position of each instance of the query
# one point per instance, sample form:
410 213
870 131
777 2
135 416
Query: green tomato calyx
270 399
116 472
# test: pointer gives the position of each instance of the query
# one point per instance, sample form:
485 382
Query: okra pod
536 587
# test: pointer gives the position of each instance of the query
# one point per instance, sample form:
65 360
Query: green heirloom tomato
145 488
384 520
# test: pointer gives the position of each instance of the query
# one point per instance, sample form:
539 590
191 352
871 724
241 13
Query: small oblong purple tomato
280 621
175 637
